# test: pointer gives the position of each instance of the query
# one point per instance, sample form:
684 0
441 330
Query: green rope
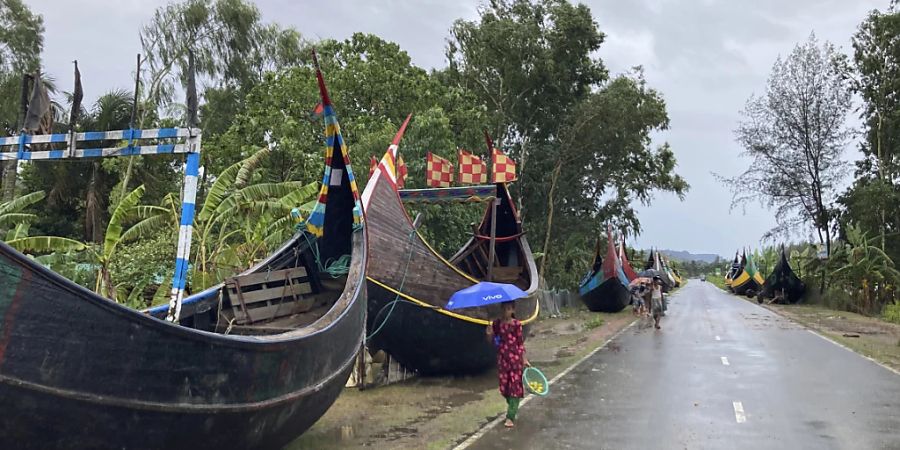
335 268
397 298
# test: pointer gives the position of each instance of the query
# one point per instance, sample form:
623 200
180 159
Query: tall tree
528 61
795 135
21 43
608 162
871 202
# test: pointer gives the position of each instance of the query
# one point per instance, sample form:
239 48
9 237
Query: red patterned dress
510 357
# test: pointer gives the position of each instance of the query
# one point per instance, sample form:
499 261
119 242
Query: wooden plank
275 275
507 274
274 310
271 294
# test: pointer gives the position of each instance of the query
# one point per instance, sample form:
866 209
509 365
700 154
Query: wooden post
493 254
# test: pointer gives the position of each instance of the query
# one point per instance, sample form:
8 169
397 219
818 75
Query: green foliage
141 266
864 272
21 36
125 213
230 43
12 212
593 322
892 313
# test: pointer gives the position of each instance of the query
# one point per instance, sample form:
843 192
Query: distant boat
732 271
605 287
626 265
654 262
783 280
409 283
747 279
253 363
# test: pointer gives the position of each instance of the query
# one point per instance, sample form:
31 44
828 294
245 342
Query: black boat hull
427 341
80 371
610 296
52 420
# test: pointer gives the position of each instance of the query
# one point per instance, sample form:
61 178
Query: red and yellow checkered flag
438 171
472 170
503 167
373 163
402 172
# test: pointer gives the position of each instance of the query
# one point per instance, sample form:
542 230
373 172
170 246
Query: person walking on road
656 300
506 333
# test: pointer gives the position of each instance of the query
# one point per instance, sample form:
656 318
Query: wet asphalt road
672 389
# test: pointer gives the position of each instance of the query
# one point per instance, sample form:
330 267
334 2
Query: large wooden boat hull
610 296
409 284
427 341
83 372
605 287
785 280
744 284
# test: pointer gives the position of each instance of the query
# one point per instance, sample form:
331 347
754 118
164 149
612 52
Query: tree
606 155
21 43
529 62
875 75
794 135
231 46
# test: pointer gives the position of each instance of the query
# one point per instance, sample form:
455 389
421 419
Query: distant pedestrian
656 300
507 335
637 299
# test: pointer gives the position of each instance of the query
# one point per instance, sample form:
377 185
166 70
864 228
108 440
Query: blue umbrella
483 294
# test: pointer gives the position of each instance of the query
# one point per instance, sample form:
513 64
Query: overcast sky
705 56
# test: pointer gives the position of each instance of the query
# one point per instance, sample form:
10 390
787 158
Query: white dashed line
718 338
739 412
725 361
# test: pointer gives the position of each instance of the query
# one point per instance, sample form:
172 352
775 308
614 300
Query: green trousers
512 407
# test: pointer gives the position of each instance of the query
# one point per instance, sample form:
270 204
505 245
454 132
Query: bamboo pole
493 255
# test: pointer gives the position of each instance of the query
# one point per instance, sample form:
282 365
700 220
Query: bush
593 322
892 313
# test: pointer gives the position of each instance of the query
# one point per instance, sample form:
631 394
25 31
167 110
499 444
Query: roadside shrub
892 313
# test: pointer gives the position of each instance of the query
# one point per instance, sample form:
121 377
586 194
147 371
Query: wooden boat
748 280
605 287
732 271
253 363
626 265
784 281
409 283
654 263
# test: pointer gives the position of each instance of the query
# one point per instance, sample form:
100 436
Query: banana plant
143 220
865 271
240 222
11 214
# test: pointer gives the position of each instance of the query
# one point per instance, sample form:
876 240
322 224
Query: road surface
723 373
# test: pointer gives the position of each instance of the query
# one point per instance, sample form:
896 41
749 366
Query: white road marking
718 338
739 412
815 333
725 361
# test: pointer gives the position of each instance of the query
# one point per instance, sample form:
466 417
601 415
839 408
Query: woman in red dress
506 333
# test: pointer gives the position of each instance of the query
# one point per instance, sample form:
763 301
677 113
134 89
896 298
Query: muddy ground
439 412
870 336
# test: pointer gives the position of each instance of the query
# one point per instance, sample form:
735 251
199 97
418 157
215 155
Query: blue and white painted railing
169 141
